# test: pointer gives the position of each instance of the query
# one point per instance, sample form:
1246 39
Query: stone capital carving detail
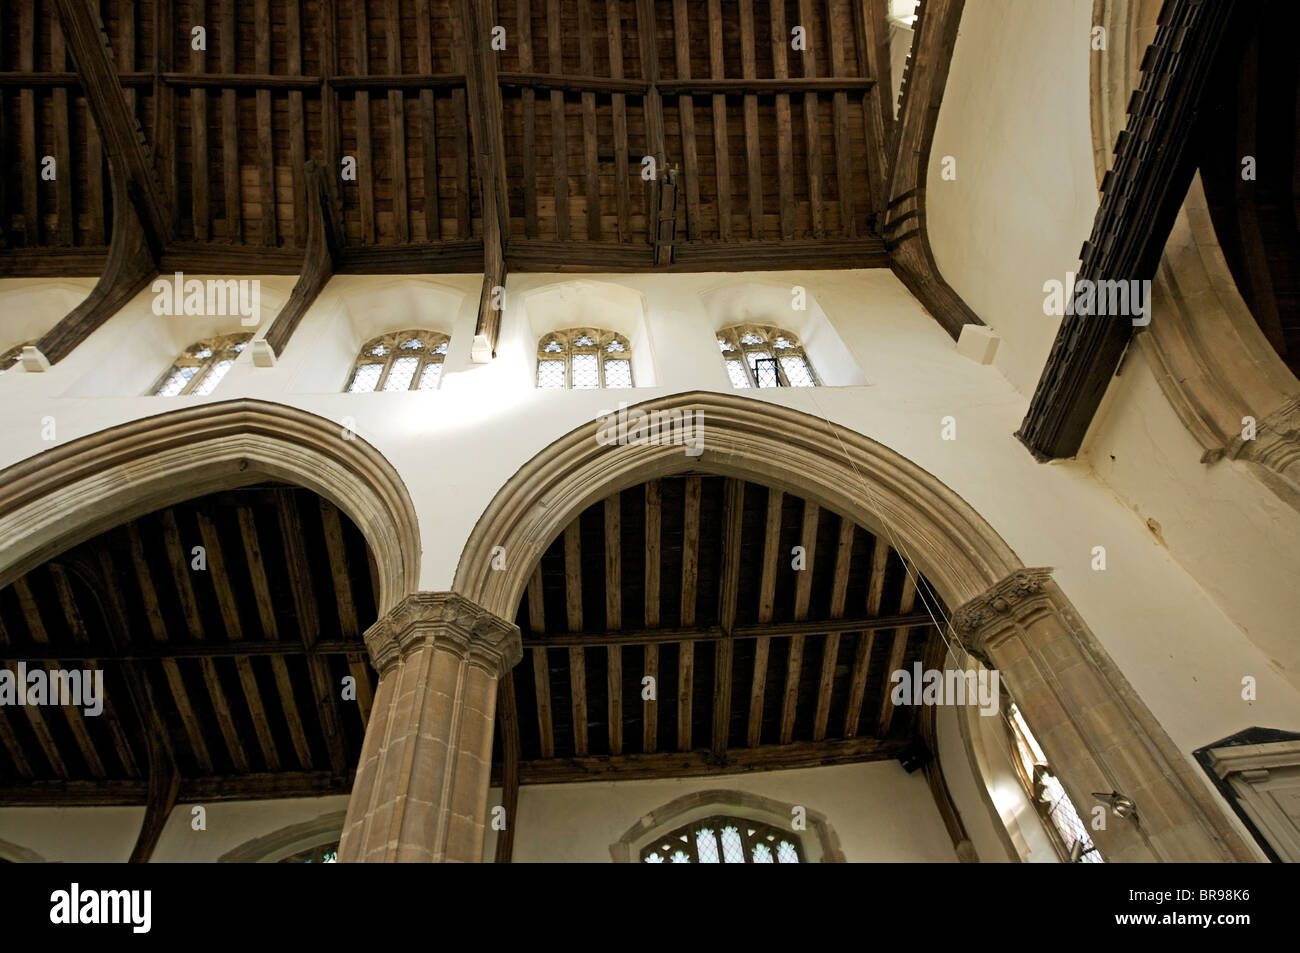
973 620
451 622
1276 444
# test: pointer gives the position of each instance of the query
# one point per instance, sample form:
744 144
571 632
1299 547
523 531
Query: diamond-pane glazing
586 374
797 371
763 854
706 846
764 369
176 381
733 849
618 373
584 341
615 347
403 370
654 859
786 854
550 374
736 371
681 858
212 378
412 345
365 379
751 338
430 376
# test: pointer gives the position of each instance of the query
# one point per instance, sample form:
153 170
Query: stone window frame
431 349
818 842
204 356
732 342
563 346
761 834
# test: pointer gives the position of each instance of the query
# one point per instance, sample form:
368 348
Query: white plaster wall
879 811
108 834
1015 117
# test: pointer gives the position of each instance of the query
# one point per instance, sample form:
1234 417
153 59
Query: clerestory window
584 359
758 355
202 366
401 360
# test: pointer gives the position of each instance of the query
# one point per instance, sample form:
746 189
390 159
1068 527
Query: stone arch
956 550
688 807
17 854
1012 617
53 500
278 844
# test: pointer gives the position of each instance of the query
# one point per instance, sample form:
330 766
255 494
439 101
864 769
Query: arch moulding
1088 718
54 500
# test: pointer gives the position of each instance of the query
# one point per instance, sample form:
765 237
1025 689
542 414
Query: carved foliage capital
974 620
449 621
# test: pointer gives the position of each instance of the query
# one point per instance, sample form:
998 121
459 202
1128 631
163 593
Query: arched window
402 360
10 358
724 840
758 355
200 369
584 359
326 853
1047 794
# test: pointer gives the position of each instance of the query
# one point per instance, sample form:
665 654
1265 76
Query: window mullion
383 375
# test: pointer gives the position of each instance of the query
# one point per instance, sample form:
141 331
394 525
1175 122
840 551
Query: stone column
1098 735
421 789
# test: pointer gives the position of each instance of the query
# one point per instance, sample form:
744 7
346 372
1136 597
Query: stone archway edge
961 554
56 499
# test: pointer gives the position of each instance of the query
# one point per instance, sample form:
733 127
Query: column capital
999 606
452 623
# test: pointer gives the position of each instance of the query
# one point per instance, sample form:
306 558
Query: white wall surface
879 812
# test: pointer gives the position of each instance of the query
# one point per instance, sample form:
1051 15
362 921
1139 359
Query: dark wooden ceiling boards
233 673
757 665
767 147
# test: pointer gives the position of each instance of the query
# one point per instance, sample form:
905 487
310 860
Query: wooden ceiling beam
270 629
171 671
486 128
200 790
753 145
784 128
541 665
896 654
75 719
775 630
614 619
229 609
766 603
689 592
701 763
802 593
812 128
577 656
349 626
653 552
324 246
733 514
871 36
721 125
559 135
686 120
590 134
866 642
178 560
304 600
831 644
618 110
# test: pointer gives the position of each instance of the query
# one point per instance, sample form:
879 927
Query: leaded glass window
584 359
1047 793
401 360
327 853
725 840
10 358
758 355
202 366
